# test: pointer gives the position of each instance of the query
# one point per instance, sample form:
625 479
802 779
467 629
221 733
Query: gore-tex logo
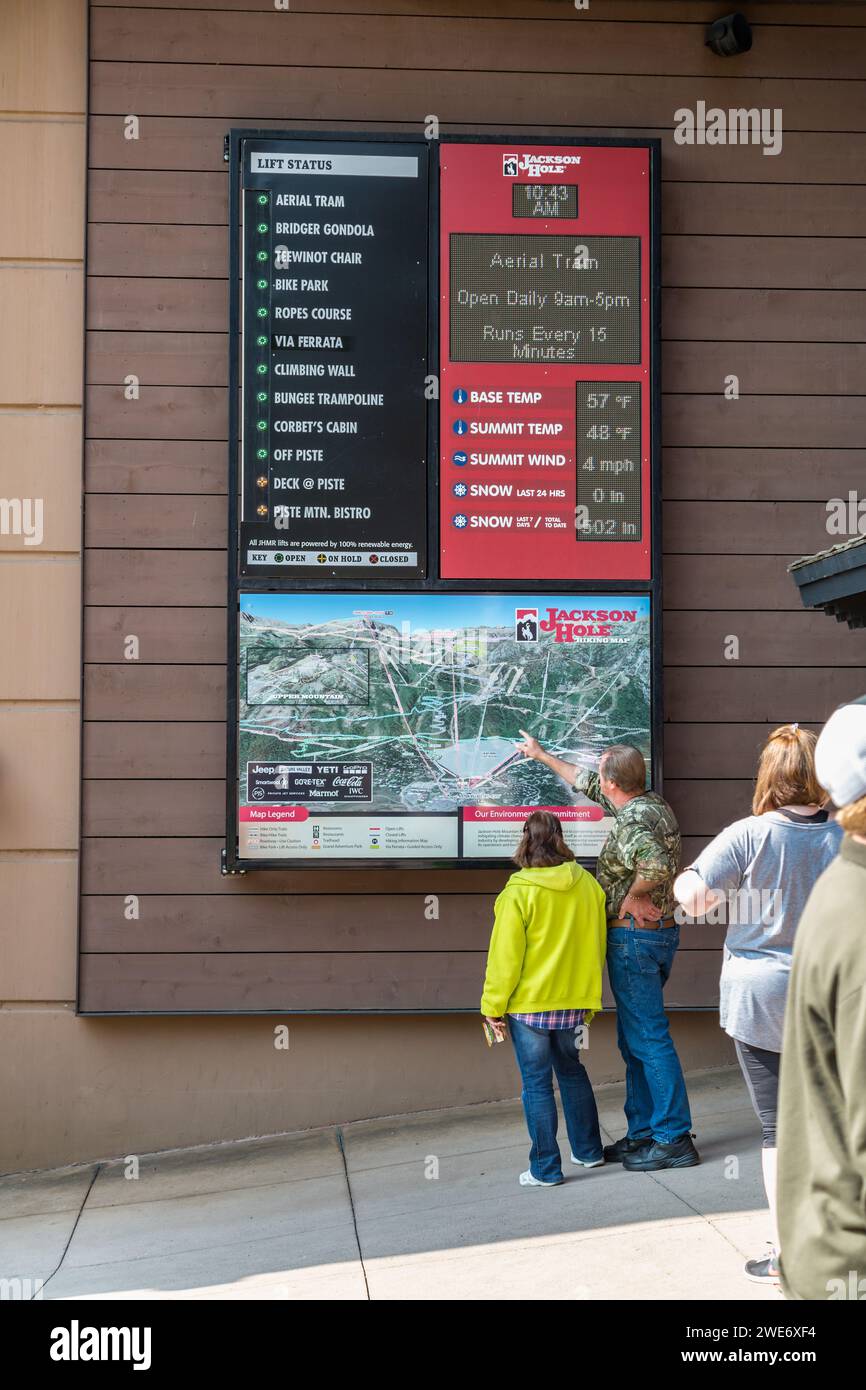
552 162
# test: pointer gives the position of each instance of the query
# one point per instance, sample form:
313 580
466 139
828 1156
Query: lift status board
545 375
335 304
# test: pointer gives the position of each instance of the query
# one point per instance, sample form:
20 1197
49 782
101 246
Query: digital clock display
543 200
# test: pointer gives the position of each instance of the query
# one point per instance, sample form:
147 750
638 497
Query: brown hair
786 771
853 817
625 765
542 845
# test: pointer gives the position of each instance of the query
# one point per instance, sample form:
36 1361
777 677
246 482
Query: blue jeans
638 965
540 1052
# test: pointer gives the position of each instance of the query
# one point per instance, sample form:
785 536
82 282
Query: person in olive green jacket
822 1097
544 972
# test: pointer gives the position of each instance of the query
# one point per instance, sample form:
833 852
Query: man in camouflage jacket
636 868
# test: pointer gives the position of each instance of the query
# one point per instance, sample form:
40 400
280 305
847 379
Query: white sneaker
581 1163
527 1180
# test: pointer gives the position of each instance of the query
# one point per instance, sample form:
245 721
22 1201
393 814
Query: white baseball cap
840 753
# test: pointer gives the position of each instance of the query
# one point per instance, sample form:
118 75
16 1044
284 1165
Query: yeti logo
509 166
526 624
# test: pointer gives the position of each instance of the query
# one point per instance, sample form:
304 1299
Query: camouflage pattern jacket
644 842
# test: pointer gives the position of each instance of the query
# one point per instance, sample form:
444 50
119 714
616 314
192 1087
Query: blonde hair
853 817
786 771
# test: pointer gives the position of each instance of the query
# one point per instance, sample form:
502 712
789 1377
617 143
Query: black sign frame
233 150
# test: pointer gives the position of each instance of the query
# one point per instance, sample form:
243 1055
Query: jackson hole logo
526 624
534 165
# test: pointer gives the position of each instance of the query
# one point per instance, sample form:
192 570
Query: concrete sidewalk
412 1207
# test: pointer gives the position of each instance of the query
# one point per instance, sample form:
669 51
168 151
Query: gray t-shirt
767 866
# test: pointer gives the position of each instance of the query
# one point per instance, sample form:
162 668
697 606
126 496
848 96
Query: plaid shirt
555 1018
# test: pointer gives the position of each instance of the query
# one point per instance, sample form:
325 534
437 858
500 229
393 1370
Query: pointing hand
530 747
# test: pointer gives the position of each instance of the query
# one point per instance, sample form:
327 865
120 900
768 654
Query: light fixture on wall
729 35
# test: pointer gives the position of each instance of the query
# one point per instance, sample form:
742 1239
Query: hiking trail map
384 725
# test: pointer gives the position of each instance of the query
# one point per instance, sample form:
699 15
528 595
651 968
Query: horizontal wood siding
764 277
325 981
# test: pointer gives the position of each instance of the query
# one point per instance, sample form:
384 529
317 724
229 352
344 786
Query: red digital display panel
545 373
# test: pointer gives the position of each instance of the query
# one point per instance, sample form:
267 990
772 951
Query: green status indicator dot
261 255
262 340
261 284
263 198
262 313
261 395
261 453
261 424
262 227
262 368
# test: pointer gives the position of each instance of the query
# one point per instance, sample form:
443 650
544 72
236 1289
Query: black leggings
761 1072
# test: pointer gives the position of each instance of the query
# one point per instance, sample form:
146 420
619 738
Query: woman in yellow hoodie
544 971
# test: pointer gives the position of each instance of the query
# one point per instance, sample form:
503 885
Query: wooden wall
764 276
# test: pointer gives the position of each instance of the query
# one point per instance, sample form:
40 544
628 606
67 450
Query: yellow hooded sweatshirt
548 944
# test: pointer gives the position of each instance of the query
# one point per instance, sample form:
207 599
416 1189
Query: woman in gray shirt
755 877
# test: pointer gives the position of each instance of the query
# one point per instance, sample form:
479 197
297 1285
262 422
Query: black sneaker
681 1154
764 1271
615 1153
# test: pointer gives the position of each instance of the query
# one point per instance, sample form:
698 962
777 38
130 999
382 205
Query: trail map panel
334 418
383 727
546 374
